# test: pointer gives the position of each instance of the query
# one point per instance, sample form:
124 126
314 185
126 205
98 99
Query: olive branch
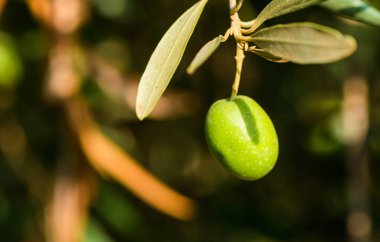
301 43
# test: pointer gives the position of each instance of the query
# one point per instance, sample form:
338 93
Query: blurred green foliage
303 199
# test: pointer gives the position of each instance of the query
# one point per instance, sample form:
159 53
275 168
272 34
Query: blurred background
77 165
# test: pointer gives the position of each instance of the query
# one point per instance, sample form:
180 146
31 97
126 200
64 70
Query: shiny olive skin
242 137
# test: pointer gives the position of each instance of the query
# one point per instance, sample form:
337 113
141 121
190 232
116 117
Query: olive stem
236 31
239 65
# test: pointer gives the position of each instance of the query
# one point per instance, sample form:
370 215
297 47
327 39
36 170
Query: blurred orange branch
2 4
42 10
109 159
67 212
355 127
64 16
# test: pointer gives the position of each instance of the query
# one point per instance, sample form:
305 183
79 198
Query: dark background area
324 187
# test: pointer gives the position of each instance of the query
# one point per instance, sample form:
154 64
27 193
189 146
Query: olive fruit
242 137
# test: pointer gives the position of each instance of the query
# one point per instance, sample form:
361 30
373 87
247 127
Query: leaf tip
352 42
140 112
351 45
190 70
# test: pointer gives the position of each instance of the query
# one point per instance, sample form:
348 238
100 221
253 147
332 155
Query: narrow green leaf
280 7
266 55
355 9
204 53
305 43
165 59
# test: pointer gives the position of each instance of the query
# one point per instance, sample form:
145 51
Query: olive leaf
265 54
304 43
165 59
355 9
280 7
204 53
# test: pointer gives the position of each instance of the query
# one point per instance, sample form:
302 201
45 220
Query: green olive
242 137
